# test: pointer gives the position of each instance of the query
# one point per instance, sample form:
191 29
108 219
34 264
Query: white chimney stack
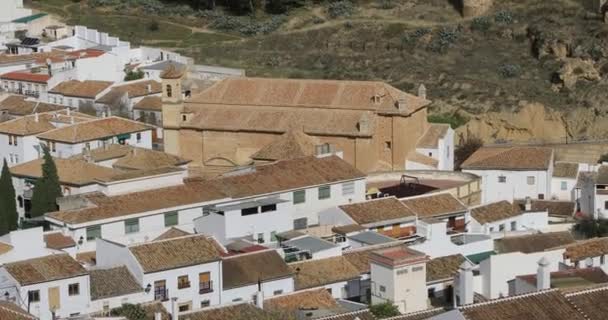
103 114
402 104
36 117
465 283
174 309
543 275
422 91
259 299
158 316
68 111
149 87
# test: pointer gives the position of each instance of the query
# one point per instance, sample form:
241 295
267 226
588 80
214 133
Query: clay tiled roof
94 130
134 174
299 93
26 126
26 76
70 171
602 175
19 106
132 90
592 303
443 268
316 273
417 157
172 233
175 253
347 229
360 258
58 241
248 269
553 207
5 247
565 170
292 144
545 305
147 159
580 278
495 212
242 311
356 315
174 71
16 58
81 89
379 210
108 152
89 257
152 103
114 282
430 139
509 158
303 300
534 242
434 205
10 311
587 249
48 268
420 315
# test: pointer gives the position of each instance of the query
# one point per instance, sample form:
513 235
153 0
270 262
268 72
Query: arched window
169 91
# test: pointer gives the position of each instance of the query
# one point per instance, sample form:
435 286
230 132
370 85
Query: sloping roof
355 315
70 171
420 315
359 258
289 304
172 70
370 238
48 268
81 89
571 279
495 212
94 130
602 175
172 233
113 282
544 305
534 242
247 269
16 58
146 159
175 253
565 170
443 267
26 76
107 152
58 241
316 273
434 205
132 89
509 158
20 106
378 210
10 311
347 229
5 247
417 157
592 303
151 103
553 207
582 250
430 139
242 311
26 126
292 144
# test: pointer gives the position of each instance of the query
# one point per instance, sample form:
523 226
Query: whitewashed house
78 94
13 9
501 218
187 269
51 286
245 276
121 98
587 254
113 287
599 194
509 173
563 181
336 274
434 150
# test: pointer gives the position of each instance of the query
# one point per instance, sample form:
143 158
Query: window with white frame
131 226
324 192
564 185
530 180
348 188
502 179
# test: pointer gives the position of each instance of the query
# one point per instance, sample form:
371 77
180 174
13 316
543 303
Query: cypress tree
47 189
5 193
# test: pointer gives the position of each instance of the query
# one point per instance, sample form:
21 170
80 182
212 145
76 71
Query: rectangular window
387 145
502 179
514 225
602 259
249 211
277 292
301 223
564 185
184 307
132 226
324 192
171 219
260 238
138 136
268 207
205 303
541 196
183 282
74 289
204 283
501 227
416 269
93 233
348 188
606 205
299 196
382 289
33 296
53 146
530 180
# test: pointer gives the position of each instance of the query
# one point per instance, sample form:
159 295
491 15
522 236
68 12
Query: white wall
69 305
516 185
246 293
12 9
107 67
525 221
26 243
438 243
558 193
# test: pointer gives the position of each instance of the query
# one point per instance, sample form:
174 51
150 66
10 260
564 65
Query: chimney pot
422 91
401 104
36 118
543 275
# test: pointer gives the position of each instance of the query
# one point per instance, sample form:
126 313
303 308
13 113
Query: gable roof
292 144
443 268
359 258
44 269
20 106
565 170
58 241
378 210
146 159
113 282
70 171
248 269
26 126
509 158
591 302
434 205
534 242
10 311
582 250
173 232
26 76
553 207
430 139
288 304
316 273
132 89
175 253
81 89
150 103
94 130
495 212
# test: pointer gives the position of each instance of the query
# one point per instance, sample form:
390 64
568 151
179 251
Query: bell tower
172 106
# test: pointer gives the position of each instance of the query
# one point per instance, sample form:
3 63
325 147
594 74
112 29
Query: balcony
161 294
205 287
183 285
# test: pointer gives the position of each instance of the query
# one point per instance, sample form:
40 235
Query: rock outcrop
475 8
573 70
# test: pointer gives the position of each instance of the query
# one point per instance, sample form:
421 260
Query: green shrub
504 17
130 311
384 310
482 24
455 120
342 8
509 70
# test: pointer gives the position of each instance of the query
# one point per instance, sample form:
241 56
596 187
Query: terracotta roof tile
174 71
114 282
417 157
20 106
292 144
553 207
172 233
81 89
26 126
347 229
534 242
579 278
89 257
316 273
94 130
356 315
70 171
360 258
44 269
242 311
175 253
10 311
16 58
434 205
132 89
289 304
509 158
591 302
565 170
26 76
5 247
108 152
151 103
431 137
420 315
147 159
58 241
443 268
495 212
582 250
248 269
379 210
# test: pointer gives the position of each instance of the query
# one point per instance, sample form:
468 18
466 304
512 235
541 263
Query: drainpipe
174 308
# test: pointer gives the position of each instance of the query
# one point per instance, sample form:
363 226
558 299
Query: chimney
36 117
465 283
103 114
401 104
174 309
158 316
259 296
149 88
422 91
68 111
543 275
528 205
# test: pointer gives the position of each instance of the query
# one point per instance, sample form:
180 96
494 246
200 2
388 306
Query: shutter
54 301
204 277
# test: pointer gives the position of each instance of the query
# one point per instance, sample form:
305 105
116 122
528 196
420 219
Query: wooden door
54 300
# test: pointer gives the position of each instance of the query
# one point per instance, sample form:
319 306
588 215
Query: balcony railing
161 294
205 287
183 285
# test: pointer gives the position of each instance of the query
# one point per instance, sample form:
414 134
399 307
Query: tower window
169 91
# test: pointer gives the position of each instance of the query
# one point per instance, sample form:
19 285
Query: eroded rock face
573 70
474 8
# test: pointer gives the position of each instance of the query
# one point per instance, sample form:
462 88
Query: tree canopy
8 207
47 189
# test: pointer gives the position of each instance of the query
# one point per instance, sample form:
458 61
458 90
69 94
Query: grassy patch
455 120
200 38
